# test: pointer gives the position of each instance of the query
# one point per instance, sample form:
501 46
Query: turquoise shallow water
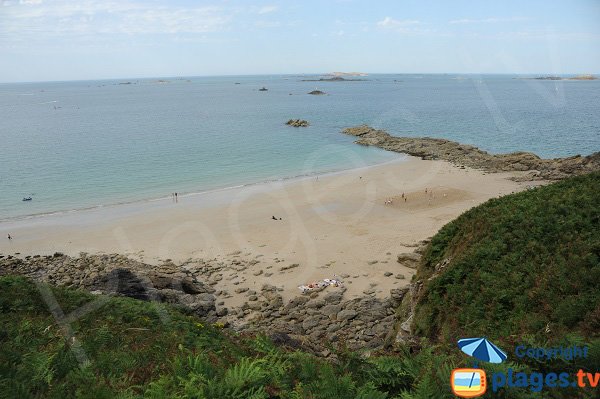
74 145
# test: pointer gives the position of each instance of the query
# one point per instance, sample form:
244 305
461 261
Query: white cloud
267 9
389 22
491 20
405 27
32 18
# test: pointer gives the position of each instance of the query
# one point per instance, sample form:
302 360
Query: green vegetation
139 349
520 269
525 264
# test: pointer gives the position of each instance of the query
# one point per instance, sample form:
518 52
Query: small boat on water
27 199
263 89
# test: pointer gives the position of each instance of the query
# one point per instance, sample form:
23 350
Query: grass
525 264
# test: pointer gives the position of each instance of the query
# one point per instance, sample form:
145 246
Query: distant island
333 79
578 77
347 74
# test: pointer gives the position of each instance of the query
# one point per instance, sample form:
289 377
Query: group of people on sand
428 193
431 195
319 285
390 201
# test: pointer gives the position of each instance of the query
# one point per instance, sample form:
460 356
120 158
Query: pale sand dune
337 224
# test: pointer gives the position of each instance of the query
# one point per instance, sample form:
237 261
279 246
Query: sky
43 40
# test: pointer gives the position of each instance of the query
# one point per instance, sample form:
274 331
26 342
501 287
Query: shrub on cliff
524 264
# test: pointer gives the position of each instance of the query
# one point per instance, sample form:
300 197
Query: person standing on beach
9 237
175 197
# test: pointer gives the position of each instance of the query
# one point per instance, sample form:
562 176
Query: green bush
527 263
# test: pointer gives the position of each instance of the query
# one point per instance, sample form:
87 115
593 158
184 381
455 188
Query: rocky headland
463 155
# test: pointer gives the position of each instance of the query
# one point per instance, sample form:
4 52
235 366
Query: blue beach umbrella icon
482 349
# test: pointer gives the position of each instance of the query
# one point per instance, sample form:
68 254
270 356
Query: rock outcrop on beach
316 320
321 319
118 275
470 156
297 123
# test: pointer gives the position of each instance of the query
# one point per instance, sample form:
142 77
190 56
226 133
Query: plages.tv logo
472 382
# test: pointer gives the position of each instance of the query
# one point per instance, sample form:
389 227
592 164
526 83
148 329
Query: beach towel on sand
319 285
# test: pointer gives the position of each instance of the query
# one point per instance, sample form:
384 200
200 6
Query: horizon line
541 74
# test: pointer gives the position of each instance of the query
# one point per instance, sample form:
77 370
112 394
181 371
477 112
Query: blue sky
92 39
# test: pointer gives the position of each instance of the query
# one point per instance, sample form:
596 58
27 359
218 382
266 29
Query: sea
84 144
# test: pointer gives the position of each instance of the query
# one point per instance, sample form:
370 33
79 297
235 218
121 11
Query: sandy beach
332 226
